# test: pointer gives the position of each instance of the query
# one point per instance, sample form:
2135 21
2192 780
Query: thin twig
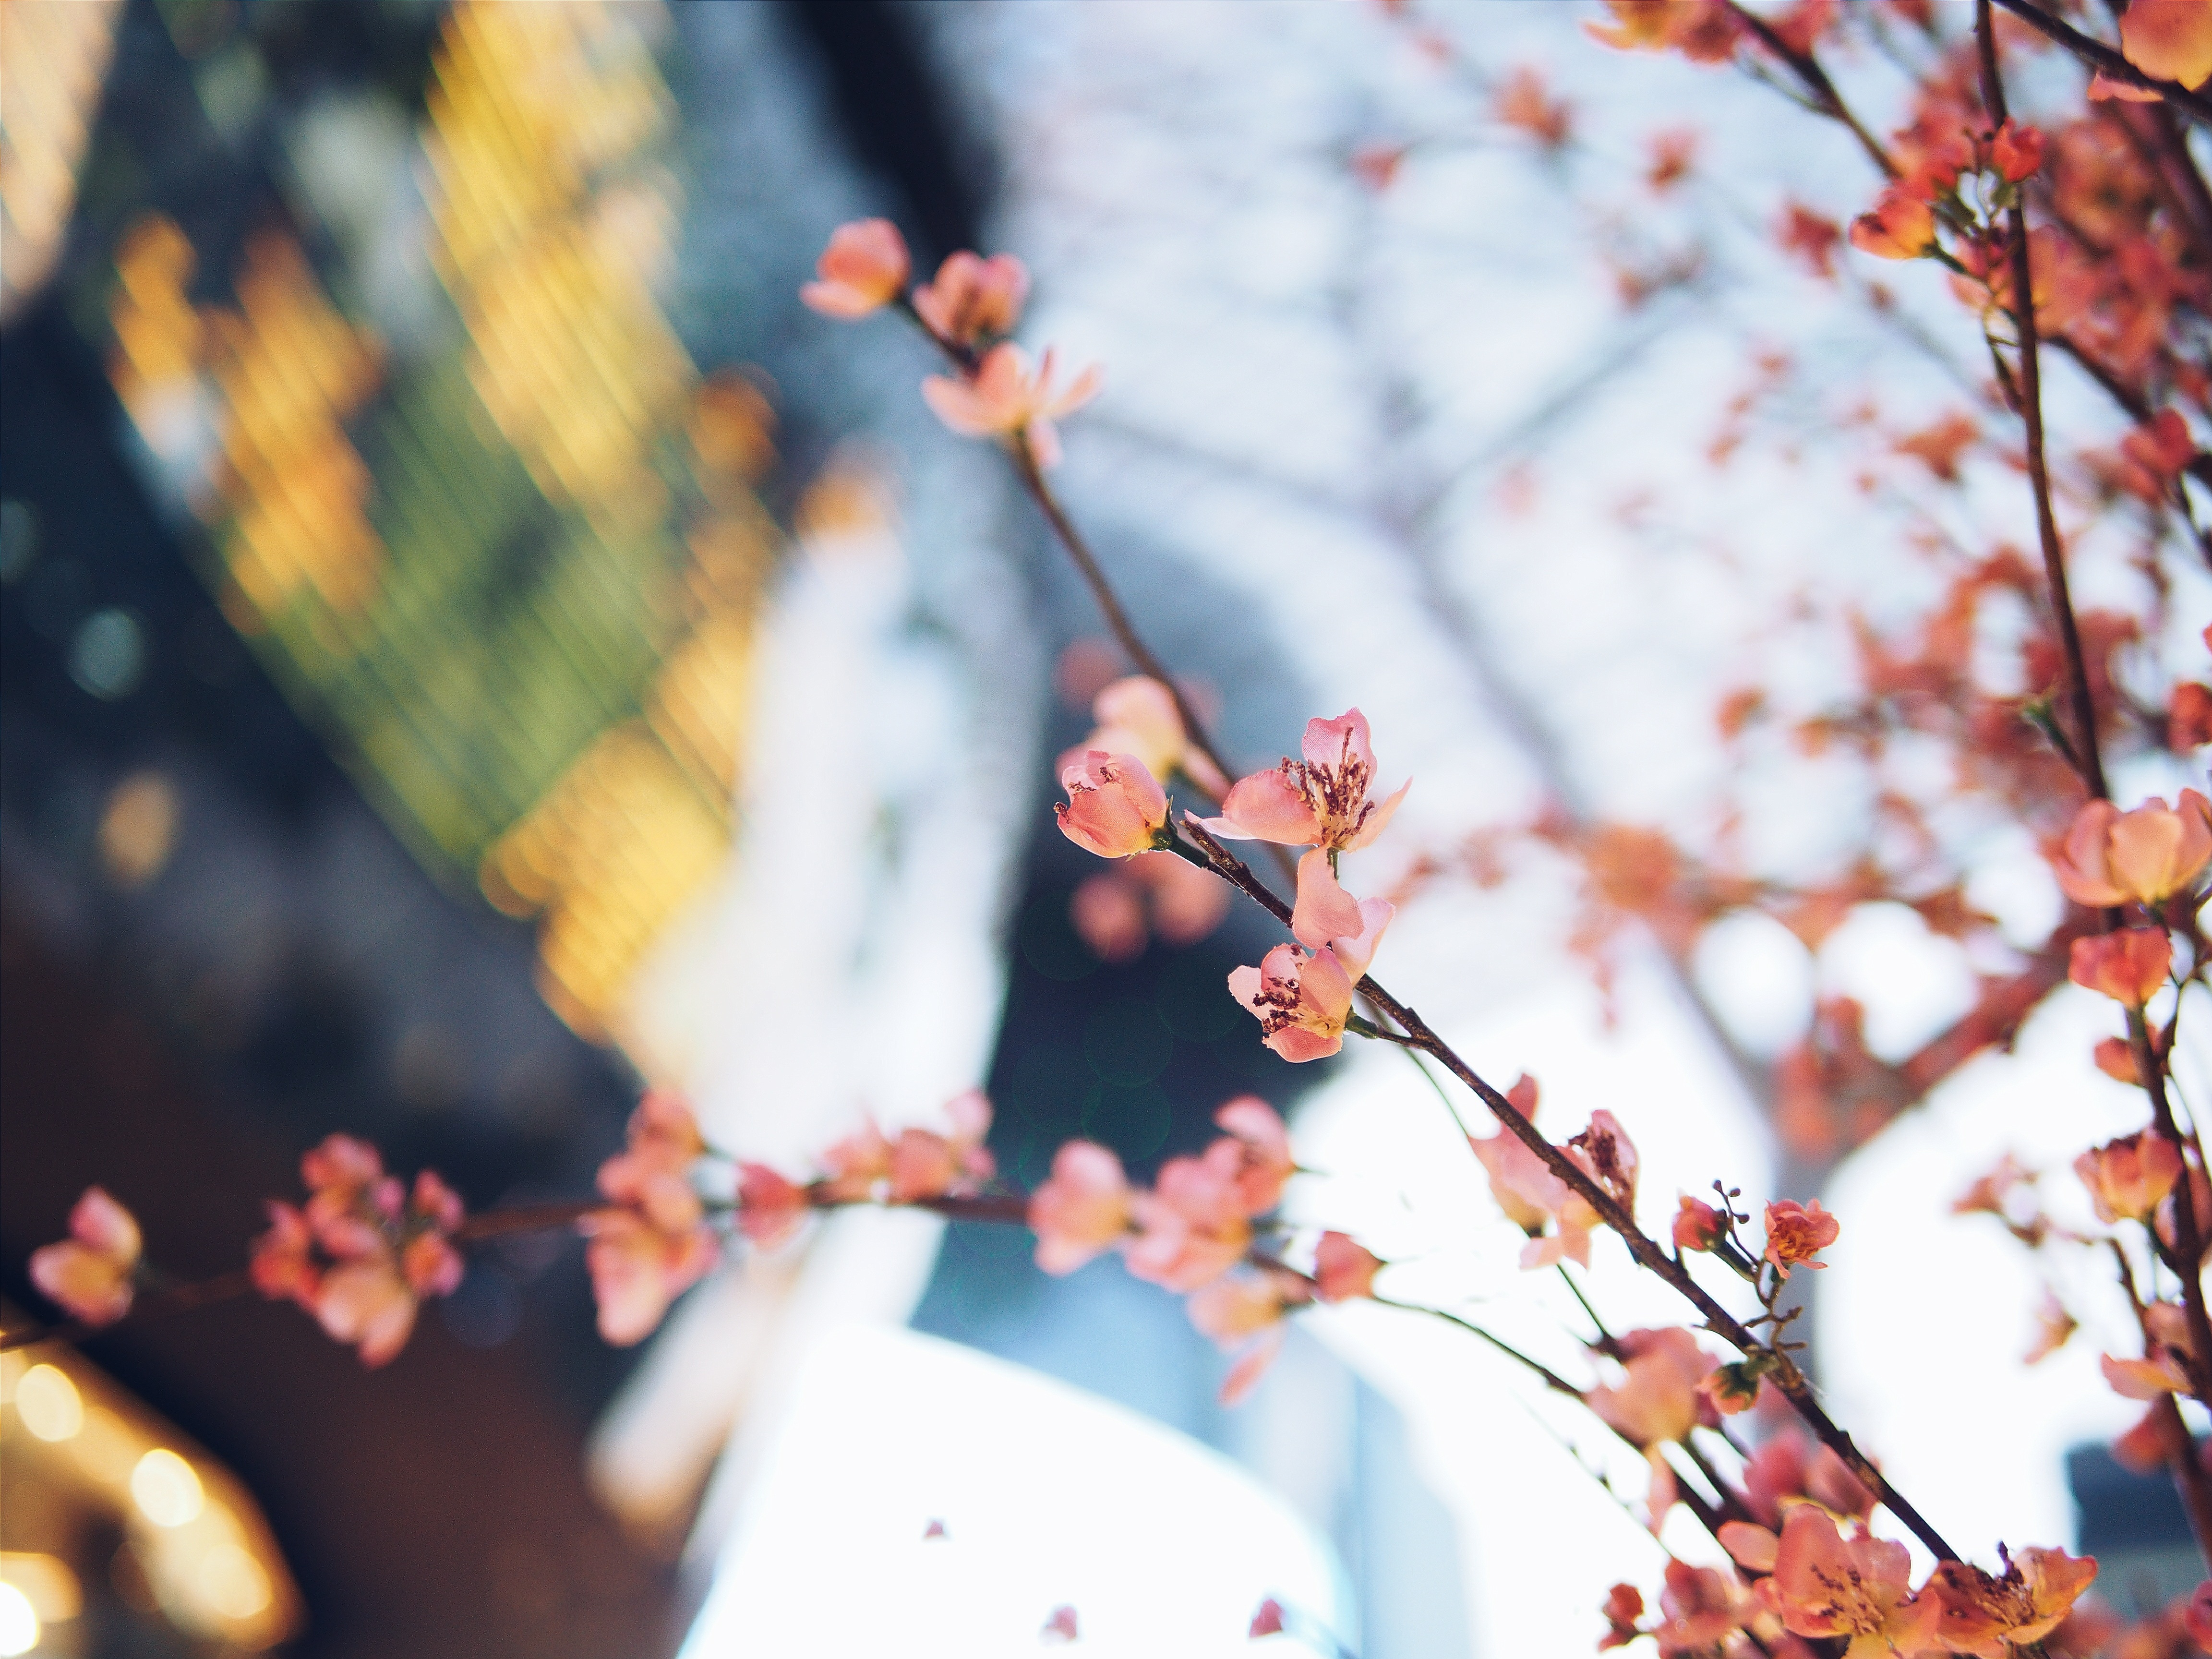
2099 56
1824 98
2090 763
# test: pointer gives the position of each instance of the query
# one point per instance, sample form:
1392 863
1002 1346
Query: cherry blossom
860 271
638 1269
1137 715
2128 1177
94 1271
1325 800
1327 916
1828 1585
1990 1616
1701 1605
924 1165
1698 1225
1300 1000
1114 808
1657 1399
1256 1156
2169 40
770 1207
1005 397
1083 1210
1344 1269
1191 1228
1796 1232
359 1256
2128 965
2139 857
973 299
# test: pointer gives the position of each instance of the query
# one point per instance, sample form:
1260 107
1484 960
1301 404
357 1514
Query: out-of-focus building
472 644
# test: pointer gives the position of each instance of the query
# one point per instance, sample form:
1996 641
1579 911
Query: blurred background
472 645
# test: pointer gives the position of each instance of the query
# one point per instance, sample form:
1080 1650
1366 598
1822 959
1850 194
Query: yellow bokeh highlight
606 859
548 265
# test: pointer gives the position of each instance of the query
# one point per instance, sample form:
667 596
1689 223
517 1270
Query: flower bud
1114 806
860 271
2139 857
2126 1178
1698 1226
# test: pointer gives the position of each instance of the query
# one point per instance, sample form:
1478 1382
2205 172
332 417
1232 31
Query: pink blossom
1267 1620
637 1269
1256 1157
1698 1226
973 299
1326 800
1004 397
1702 1605
1108 912
2128 964
350 1199
1343 1268
925 1164
1239 1305
1187 903
1083 1209
283 1262
1605 1153
1657 1399
2158 1373
1327 916
1752 1547
859 1166
1137 715
2142 857
1191 1227
368 1303
860 271
1795 1233
1301 1001
2126 1178
1826 1585
1114 806
92 1271
1787 1467
769 1207
1995 1617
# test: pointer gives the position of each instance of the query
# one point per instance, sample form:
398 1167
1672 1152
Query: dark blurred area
270 740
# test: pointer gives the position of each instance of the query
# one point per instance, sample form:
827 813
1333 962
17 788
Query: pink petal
964 409
1379 819
1324 910
1331 742
1266 806
1325 987
100 1223
1298 1045
1358 950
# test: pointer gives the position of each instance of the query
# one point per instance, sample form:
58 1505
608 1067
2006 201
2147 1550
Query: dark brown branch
2189 1241
2088 762
2099 56
1783 1371
1818 86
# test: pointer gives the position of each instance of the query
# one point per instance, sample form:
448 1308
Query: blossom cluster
363 1250
968 310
